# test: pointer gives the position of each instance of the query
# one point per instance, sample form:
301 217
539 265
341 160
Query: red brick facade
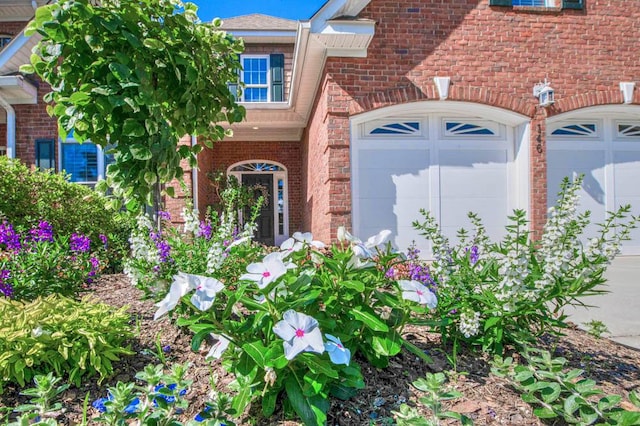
494 56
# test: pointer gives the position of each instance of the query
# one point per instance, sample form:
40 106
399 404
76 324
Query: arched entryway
269 179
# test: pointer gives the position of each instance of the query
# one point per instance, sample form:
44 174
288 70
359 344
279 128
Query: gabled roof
258 21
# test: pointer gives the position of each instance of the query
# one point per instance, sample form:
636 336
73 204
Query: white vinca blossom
418 292
469 323
297 242
300 333
363 250
336 350
206 290
221 345
270 269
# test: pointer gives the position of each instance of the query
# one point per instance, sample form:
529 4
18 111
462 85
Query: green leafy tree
133 77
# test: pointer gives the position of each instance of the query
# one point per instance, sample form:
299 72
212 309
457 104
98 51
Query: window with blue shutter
45 154
277 77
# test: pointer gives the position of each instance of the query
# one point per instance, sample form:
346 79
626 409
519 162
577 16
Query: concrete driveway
619 310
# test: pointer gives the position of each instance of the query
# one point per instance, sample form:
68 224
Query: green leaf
133 128
353 285
269 404
152 43
417 351
369 319
256 351
634 397
120 71
571 405
387 345
319 365
491 322
311 413
550 393
544 413
141 152
608 402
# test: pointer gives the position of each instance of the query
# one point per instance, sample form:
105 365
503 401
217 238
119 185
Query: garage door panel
401 160
492 211
473 183
563 164
627 174
476 158
393 183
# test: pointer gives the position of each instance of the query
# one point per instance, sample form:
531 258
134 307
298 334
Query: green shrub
37 263
61 335
496 294
28 196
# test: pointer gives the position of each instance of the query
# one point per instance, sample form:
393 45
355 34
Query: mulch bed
486 399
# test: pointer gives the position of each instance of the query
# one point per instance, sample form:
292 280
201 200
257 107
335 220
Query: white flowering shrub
492 294
216 245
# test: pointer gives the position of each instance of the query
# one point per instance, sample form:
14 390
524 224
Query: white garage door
606 151
449 165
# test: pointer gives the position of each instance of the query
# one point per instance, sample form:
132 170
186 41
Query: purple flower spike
164 215
43 232
79 243
9 237
205 230
6 289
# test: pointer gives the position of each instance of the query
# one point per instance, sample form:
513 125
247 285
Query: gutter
194 177
11 127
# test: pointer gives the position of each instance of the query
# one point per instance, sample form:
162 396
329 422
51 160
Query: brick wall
33 122
286 50
494 56
11 28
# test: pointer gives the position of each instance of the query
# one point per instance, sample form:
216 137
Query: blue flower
98 404
169 399
202 415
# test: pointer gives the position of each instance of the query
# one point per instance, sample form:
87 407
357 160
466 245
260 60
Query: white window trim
282 174
100 160
256 86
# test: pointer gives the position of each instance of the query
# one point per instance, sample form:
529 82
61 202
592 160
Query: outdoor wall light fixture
442 84
627 87
544 93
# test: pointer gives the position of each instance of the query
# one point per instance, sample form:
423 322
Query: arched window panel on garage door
474 129
628 131
393 128
581 130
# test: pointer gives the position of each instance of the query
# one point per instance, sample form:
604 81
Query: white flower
344 235
182 284
270 269
219 347
337 352
206 290
469 323
191 220
300 333
36 332
297 242
417 292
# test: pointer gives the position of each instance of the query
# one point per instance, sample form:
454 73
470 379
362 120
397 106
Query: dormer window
263 78
4 40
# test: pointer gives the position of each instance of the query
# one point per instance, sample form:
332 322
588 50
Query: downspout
11 127
194 177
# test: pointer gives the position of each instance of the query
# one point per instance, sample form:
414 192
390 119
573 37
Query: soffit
16 90
18 10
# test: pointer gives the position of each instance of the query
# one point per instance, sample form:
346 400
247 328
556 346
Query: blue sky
290 9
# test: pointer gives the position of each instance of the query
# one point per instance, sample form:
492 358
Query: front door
262 185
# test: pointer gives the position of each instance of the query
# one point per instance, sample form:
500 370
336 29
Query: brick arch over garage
407 94
590 99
